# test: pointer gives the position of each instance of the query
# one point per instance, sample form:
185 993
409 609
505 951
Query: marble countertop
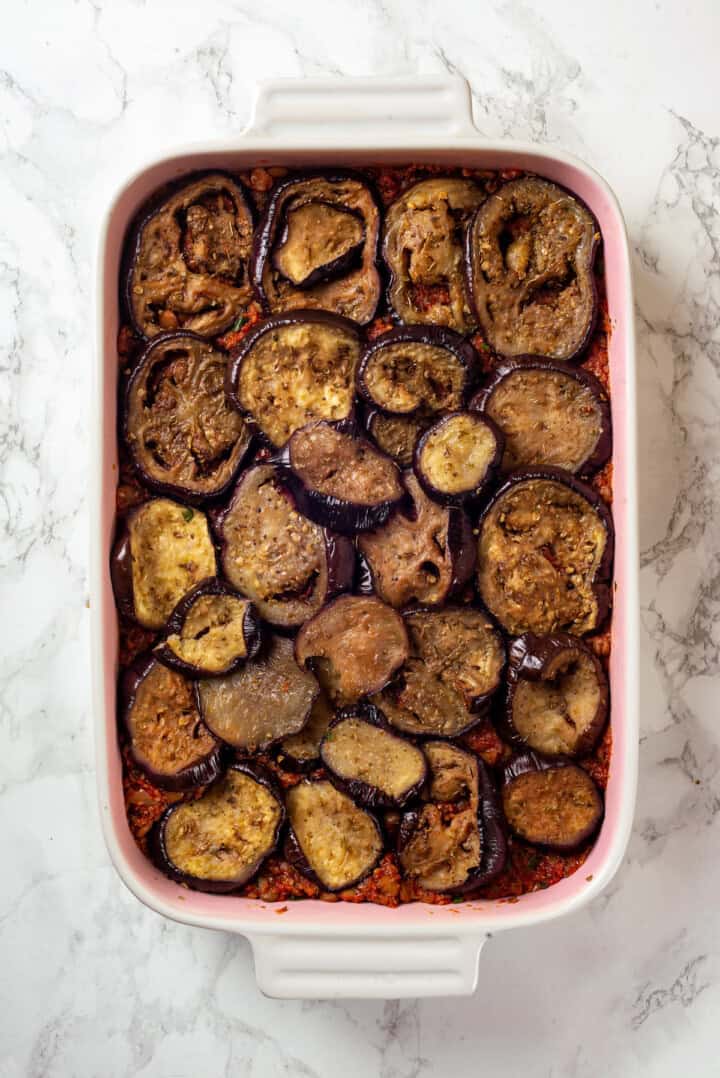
91 983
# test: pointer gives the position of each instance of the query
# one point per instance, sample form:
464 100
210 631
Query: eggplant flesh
461 647
397 435
453 772
211 632
457 457
370 763
557 806
319 242
442 853
302 750
421 369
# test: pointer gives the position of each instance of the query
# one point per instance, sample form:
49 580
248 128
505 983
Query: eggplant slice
301 751
366 760
286 564
397 435
557 699
420 369
183 435
332 841
420 558
218 842
355 644
453 772
187 262
545 554
167 739
457 458
316 247
423 249
212 631
294 368
530 254
264 701
554 804
550 414
341 481
162 551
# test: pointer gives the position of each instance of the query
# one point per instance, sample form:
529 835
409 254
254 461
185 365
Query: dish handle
366 967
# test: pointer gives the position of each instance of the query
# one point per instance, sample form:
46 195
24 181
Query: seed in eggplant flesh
316 246
453 772
557 698
183 435
458 457
550 414
332 840
550 803
301 751
397 435
187 262
264 701
420 558
530 254
218 842
294 368
162 551
354 644
341 481
423 250
211 631
369 762
286 564
167 738
545 554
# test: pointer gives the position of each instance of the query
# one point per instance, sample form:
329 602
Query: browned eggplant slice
423 249
218 842
184 436
286 564
187 262
167 739
301 751
550 414
396 435
554 804
264 701
366 760
212 631
340 480
453 772
557 699
545 554
317 245
530 254
162 551
420 558
331 840
355 644
294 368
458 457
417 369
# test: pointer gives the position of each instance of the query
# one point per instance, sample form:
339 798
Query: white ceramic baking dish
316 949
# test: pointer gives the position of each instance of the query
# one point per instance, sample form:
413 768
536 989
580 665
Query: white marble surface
90 982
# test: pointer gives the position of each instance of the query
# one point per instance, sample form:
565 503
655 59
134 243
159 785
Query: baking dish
313 949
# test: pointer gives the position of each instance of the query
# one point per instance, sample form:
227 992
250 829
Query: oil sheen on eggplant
550 803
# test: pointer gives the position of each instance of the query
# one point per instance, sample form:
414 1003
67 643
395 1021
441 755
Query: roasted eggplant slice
183 435
264 701
332 841
316 246
286 564
417 369
530 254
397 435
366 760
423 248
212 631
453 772
457 458
554 804
219 842
545 554
423 558
294 368
187 262
557 697
550 414
167 738
355 644
340 480
301 751
162 550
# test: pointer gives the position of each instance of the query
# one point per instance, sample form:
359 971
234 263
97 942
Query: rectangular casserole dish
316 949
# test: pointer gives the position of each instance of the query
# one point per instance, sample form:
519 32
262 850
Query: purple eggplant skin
159 855
469 496
342 264
525 762
463 548
505 367
363 578
437 336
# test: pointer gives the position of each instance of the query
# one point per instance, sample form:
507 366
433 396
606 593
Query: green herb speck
188 514
239 323
458 898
